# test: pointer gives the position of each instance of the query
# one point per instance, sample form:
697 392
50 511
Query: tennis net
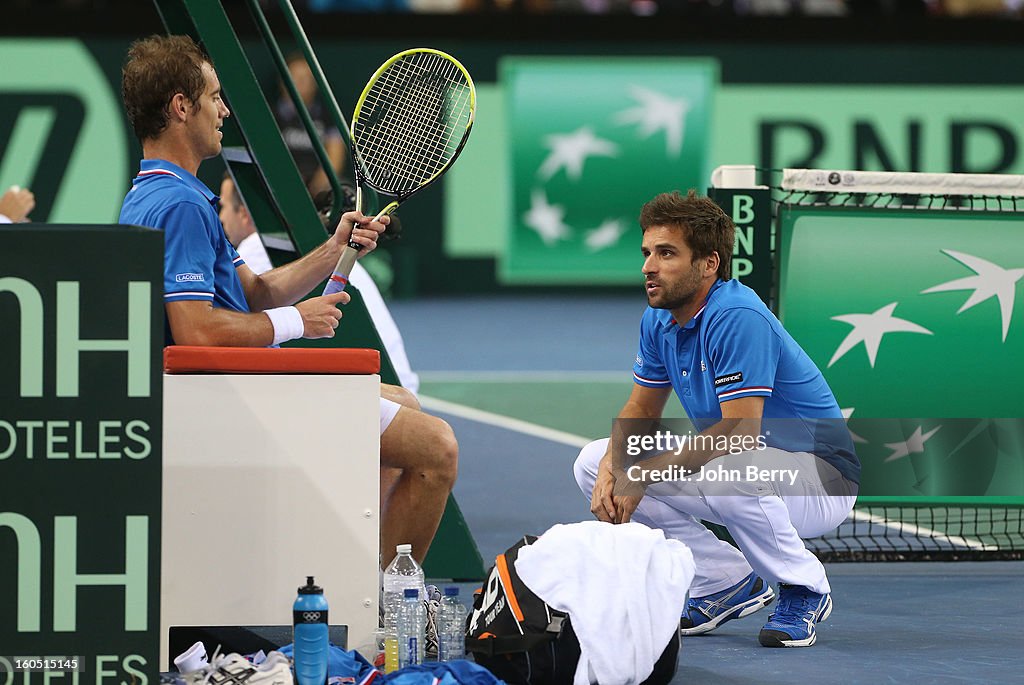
833 231
934 529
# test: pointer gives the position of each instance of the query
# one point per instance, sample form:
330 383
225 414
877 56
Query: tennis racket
409 126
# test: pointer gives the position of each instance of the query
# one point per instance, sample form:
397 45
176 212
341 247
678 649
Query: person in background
358 5
294 133
16 204
240 229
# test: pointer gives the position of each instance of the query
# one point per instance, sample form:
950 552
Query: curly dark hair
156 69
705 226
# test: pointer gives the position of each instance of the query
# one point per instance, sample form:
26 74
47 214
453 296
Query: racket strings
417 106
427 88
417 109
412 121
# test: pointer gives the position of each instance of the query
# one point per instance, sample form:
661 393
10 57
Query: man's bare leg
389 476
419 465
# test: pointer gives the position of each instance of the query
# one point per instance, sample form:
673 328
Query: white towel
624 586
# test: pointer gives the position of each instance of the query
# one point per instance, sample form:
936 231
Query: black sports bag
519 638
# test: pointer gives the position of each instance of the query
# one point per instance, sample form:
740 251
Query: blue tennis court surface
905 622
525 381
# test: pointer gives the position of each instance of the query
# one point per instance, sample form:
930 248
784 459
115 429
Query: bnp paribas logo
651 113
988 281
987 286
623 131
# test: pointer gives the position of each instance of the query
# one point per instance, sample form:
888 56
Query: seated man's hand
320 315
360 229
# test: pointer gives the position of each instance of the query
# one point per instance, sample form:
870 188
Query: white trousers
766 519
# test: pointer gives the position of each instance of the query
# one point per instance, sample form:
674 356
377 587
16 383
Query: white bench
269 476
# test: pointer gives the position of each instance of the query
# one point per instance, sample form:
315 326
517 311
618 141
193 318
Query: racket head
412 121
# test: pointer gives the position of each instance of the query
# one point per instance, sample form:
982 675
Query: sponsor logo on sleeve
729 378
189 278
639 361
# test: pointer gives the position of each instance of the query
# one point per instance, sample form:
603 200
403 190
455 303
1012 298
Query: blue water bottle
309 615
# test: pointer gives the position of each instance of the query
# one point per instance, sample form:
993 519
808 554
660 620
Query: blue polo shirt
199 262
734 347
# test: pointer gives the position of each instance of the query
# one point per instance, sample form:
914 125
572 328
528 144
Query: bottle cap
412 592
451 591
310 588
404 549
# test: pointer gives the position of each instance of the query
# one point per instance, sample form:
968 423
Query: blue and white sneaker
792 623
704 614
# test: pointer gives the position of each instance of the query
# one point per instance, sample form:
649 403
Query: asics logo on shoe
794 621
712 607
704 614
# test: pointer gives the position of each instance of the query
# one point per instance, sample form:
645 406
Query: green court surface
579 404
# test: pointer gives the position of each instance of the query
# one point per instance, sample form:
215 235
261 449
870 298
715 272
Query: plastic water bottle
412 623
309 616
451 626
402 574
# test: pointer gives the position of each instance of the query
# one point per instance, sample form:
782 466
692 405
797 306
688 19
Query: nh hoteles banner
80 453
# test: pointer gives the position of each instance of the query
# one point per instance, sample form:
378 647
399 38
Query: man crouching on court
763 412
173 99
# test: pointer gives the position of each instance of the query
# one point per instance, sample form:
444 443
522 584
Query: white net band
901 183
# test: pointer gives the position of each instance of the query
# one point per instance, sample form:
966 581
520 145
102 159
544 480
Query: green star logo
592 140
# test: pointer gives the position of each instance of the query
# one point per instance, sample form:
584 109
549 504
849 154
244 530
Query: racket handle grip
342 270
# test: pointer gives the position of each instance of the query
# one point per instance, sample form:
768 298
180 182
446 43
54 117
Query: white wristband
287 323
